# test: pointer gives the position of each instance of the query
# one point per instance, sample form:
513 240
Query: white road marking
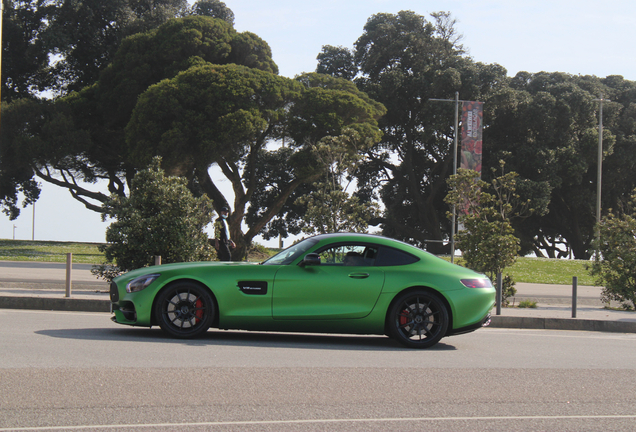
316 421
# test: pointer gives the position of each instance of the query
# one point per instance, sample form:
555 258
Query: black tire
418 319
185 310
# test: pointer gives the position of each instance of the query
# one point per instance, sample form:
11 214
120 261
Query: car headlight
477 283
141 282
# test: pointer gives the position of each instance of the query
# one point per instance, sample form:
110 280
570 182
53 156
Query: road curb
57 304
499 321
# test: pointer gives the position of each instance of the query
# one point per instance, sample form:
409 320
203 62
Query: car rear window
387 256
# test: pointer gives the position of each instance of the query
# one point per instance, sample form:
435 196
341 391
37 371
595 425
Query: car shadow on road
242 339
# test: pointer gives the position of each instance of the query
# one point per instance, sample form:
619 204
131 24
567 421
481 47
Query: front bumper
126 307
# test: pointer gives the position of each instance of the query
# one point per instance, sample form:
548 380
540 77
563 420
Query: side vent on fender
253 287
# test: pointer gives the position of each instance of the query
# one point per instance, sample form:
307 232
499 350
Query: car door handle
359 275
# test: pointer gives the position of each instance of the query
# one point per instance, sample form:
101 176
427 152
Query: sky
586 37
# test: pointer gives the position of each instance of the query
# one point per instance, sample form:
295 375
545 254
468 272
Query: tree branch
76 191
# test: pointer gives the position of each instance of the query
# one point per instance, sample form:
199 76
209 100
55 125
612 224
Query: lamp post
456 100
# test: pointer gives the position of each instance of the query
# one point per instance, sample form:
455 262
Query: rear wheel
185 310
418 319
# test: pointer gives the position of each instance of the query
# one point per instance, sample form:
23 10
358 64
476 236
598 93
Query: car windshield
287 256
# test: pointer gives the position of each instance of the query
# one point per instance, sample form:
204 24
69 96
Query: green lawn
547 271
551 271
24 250
532 270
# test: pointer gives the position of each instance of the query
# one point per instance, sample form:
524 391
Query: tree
25 50
615 267
337 61
160 217
403 61
81 36
56 46
546 127
89 32
227 115
214 9
487 240
81 138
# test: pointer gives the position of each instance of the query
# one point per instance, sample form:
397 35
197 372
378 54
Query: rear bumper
484 322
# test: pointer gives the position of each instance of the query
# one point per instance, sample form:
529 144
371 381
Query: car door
345 285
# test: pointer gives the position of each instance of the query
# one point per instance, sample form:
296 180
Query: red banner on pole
472 119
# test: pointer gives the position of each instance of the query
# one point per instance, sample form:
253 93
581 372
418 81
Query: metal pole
452 239
575 284
499 293
69 267
455 141
157 260
33 226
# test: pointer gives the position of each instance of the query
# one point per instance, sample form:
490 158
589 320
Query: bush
160 217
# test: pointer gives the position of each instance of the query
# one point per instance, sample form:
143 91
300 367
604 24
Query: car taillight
477 283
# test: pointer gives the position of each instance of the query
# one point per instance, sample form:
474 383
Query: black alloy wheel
185 310
418 319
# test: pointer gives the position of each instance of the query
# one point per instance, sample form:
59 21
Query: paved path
32 285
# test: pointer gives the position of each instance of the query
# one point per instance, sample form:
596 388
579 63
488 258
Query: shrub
160 217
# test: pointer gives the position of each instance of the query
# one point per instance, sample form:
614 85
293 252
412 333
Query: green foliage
527 304
86 34
190 119
337 61
545 126
160 217
615 268
214 9
25 53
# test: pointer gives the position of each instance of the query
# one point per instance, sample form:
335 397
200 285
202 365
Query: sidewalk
41 286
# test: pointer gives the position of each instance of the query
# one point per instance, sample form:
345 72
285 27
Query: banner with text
472 117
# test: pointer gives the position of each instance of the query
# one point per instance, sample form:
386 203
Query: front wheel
185 310
418 319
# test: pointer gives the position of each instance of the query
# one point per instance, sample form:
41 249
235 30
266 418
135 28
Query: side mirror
310 259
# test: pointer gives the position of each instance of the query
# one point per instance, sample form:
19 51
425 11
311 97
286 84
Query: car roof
364 237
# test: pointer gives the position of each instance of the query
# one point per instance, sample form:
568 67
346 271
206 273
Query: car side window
389 256
349 255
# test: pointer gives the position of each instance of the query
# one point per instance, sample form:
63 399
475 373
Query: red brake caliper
404 317
199 313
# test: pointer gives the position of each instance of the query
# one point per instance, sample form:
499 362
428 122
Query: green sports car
330 283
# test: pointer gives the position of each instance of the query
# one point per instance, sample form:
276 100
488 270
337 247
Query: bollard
69 266
157 260
575 283
499 293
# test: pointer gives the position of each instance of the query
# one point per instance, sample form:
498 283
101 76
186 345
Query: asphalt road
79 371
